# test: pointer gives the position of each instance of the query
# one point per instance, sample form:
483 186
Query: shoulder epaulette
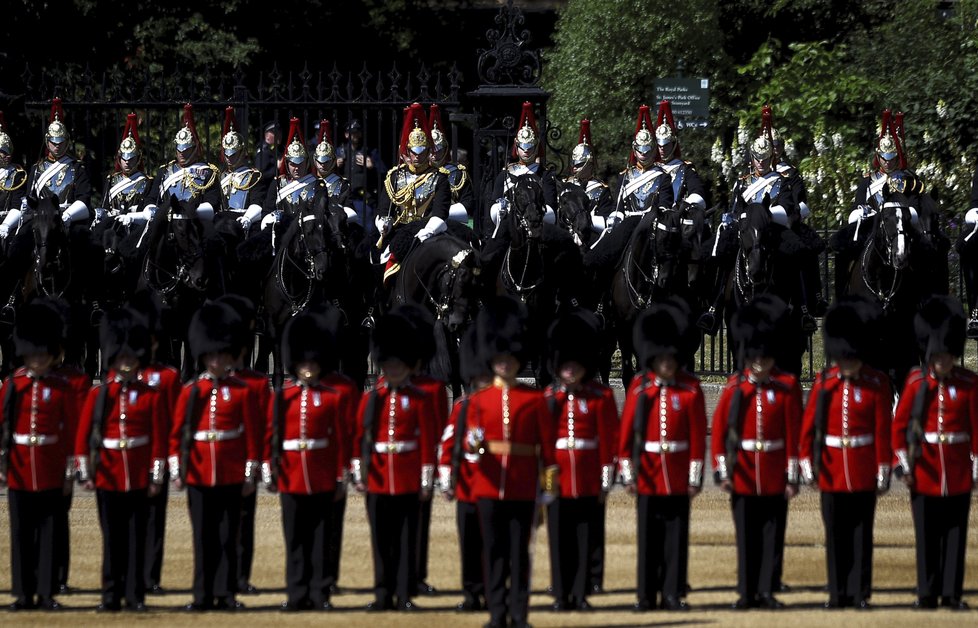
444 170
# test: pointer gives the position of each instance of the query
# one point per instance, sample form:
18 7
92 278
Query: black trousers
246 540
155 534
393 534
596 546
122 517
568 530
940 527
782 524
756 522
506 528
214 516
663 546
848 519
62 540
470 546
335 541
32 528
424 531
305 523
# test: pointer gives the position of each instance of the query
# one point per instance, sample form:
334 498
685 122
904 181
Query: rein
885 296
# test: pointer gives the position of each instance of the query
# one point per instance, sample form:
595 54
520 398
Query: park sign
689 98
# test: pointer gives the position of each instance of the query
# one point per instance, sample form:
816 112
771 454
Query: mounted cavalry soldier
324 159
935 441
188 177
295 185
459 179
243 189
126 187
417 197
583 165
526 150
13 177
686 183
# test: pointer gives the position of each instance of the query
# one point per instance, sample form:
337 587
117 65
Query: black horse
574 215
652 269
889 270
180 268
443 275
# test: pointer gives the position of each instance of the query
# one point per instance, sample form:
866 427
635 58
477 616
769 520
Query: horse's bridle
61 262
307 268
638 299
886 256
452 266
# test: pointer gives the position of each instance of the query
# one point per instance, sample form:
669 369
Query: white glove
457 213
100 214
76 211
550 217
205 211
13 218
124 219
498 211
352 217
613 219
434 225
244 222
270 219
779 215
382 223
697 200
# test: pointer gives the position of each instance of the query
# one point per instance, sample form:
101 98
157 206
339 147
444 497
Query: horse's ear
32 201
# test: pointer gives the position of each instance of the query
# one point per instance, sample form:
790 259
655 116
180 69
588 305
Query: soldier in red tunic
214 452
754 441
262 396
305 457
511 431
586 421
456 468
935 438
120 451
661 449
845 448
39 414
393 461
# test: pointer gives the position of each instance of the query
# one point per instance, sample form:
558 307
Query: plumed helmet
232 142
439 141
307 338
583 153
186 138
664 329
214 328
644 139
40 328
889 144
415 134
574 338
295 145
665 127
940 327
130 145
527 134
850 329
56 132
325 152
124 331
501 328
6 144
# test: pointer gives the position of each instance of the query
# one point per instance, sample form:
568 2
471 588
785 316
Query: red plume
584 137
527 118
132 124
901 138
434 118
644 121
188 121
294 132
894 126
57 113
767 120
325 132
230 123
665 114
414 116
885 124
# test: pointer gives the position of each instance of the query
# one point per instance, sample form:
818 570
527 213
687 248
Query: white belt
396 446
125 443
636 213
845 442
576 443
215 435
948 438
666 446
34 440
304 444
750 444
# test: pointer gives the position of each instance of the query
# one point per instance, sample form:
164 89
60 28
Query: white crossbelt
757 186
948 438
877 186
646 177
125 443
304 444
35 440
216 435
751 444
50 173
123 186
666 446
396 446
291 187
845 442
576 443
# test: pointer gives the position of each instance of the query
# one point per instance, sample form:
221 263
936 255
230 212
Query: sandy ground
712 572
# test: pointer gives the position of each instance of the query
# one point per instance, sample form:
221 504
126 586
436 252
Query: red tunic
130 446
468 461
856 451
403 436
674 440
313 443
225 427
950 427
516 431
586 437
770 422
42 438
166 379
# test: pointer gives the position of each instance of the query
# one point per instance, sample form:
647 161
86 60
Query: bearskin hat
664 329
307 338
757 328
424 335
246 311
501 328
124 330
940 327
472 361
40 328
395 338
574 338
214 328
849 329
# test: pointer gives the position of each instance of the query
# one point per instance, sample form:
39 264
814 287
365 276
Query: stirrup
708 321
368 321
808 323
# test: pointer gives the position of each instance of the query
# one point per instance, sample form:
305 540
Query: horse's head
893 233
336 222
756 244
666 235
527 207
462 282
312 235
50 239
185 237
